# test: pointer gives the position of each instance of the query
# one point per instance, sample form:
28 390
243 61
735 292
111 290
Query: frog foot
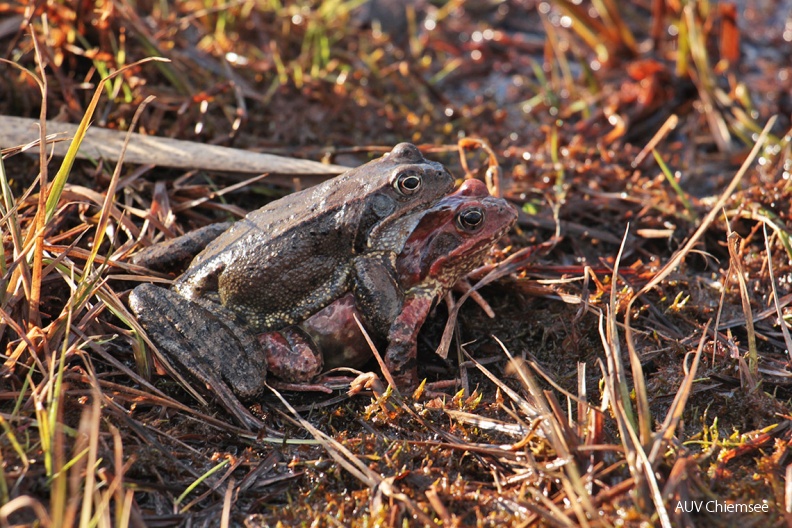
198 343
291 355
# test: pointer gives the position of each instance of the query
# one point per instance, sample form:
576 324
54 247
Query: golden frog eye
470 218
407 182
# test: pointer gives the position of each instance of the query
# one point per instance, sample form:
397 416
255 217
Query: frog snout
507 212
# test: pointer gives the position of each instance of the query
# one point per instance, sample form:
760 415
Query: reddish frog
445 243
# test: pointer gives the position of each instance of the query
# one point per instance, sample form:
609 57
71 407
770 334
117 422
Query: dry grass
639 351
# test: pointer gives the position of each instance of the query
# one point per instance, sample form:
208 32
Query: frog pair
382 241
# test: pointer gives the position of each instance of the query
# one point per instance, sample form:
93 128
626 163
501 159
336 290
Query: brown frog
445 243
291 258
284 262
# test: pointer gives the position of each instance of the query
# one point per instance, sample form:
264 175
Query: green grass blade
59 182
200 479
675 185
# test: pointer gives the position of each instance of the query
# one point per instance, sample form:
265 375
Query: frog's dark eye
407 182
471 218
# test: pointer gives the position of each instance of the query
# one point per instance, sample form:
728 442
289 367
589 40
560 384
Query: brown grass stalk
674 415
781 321
34 318
735 260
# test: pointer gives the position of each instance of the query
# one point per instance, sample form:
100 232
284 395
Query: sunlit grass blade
735 256
781 321
12 223
30 276
592 31
682 195
26 502
197 482
56 397
674 414
62 176
609 11
89 428
104 217
10 437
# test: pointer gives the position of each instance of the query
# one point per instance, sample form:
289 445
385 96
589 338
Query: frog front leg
219 354
400 356
378 294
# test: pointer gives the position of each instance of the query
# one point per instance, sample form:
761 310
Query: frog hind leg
196 341
175 254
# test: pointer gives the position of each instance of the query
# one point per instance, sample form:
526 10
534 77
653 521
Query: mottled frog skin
294 256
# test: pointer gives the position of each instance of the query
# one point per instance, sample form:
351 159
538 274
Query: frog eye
471 218
407 182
